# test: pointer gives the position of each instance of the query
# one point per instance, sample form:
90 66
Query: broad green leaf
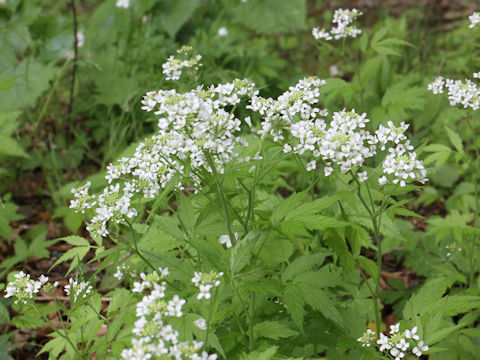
287 205
10 147
370 267
320 301
175 13
242 252
294 302
186 212
455 139
319 279
76 254
272 16
273 330
302 264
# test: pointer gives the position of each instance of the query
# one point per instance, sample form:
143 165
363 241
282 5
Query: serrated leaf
455 139
320 301
10 147
319 279
272 16
370 267
242 252
287 205
302 264
76 254
295 305
175 13
273 330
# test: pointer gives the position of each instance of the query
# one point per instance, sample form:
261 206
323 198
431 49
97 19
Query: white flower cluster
474 19
398 344
77 289
344 142
23 288
155 337
205 282
343 19
82 200
194 131
154 280
173 67
466 93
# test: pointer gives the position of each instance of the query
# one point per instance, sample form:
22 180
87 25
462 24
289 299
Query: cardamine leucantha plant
245 227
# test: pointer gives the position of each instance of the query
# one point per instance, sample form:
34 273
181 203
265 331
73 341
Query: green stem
65 336
211 311
222 199
247 313
373 217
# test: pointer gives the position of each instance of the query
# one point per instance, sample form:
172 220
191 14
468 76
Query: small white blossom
77 289
23 288
201 324
80 39
222 31
362 176
172 68
225 240
437 86
205 282
474 19
344 28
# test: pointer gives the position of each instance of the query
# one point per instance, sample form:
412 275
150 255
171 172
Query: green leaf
287 205
364 42
273 330
455 139
175 13
10 147
272 16
186 212
302 264
294 302
76 254
242 252
320 301
370 267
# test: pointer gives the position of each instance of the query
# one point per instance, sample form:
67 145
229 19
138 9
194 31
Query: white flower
333 69
412 334
223 31
205 282
362 176
384 343
437 86
225 239
172 68
201 324
474 19
402 345
76 289
394 328
23 288
312 165
343 19
420 348
80 39
476 75
123 4
383 180
321 34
